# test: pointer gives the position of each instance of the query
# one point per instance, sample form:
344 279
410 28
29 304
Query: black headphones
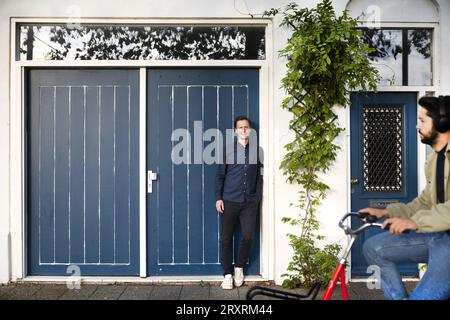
442 124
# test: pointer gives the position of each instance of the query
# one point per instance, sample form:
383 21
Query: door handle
354 181
151 176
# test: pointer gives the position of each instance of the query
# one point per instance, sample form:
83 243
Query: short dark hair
240 118
431 104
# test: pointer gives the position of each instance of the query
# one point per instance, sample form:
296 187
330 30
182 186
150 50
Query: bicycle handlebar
369 218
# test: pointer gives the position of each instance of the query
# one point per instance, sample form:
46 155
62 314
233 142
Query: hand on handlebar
394 225
379 213
399 225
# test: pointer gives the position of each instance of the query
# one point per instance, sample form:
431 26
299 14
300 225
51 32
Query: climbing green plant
326 60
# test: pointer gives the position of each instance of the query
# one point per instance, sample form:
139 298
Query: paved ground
196 291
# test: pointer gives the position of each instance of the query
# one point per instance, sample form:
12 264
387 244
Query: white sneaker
227 283
238 276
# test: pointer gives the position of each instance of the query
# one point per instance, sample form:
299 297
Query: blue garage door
82 138
183 225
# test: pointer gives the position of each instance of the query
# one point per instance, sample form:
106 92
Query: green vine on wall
326 60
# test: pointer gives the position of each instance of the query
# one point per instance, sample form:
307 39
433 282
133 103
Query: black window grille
383 154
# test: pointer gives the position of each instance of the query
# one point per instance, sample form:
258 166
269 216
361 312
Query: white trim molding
142 172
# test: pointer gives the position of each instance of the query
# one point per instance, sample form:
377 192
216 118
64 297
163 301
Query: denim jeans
386 251
246 214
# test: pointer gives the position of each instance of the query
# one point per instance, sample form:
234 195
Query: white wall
444 63
398 10
284 194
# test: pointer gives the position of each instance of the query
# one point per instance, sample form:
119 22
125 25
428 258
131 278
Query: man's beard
431 138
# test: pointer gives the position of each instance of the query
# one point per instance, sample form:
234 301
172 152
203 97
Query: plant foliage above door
326 60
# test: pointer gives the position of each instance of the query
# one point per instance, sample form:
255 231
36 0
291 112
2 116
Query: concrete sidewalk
196 291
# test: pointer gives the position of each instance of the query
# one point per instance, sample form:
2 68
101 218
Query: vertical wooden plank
164 201
240 100
196 213
180 186
77 178
210 118
92 173
107 175
62 179
122 183
46 175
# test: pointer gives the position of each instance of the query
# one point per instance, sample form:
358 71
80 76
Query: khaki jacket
424 210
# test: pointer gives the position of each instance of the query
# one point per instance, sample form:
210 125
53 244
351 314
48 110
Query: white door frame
18 210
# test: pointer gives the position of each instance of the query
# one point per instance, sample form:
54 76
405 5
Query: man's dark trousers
234 212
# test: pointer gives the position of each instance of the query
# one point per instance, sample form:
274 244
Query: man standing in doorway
427 217
238 192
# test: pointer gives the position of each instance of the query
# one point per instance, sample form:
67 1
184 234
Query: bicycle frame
338 275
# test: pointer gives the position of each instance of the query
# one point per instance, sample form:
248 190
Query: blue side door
183 224
383 159
82 171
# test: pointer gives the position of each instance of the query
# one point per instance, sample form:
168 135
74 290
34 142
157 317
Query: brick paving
192 291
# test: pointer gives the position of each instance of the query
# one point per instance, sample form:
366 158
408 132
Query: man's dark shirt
239 177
